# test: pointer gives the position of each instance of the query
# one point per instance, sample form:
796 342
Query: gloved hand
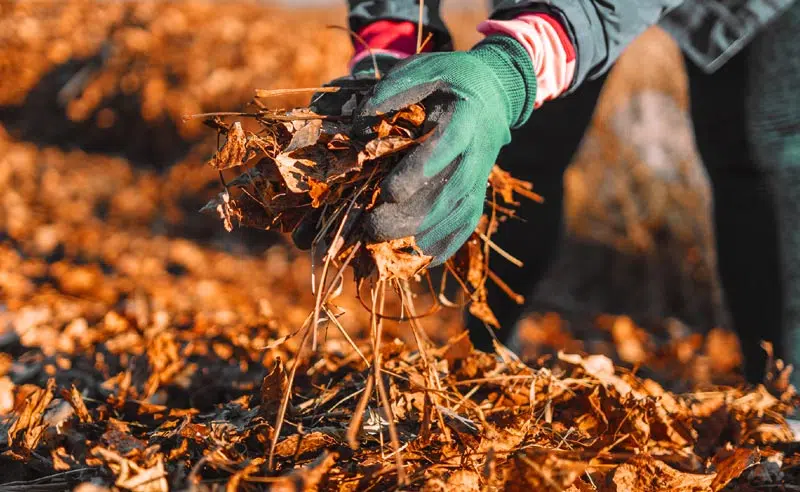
472 100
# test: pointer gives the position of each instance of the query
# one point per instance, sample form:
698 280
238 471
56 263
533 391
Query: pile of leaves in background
106 71
181 58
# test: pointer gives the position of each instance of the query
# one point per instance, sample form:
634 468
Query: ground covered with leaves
143 348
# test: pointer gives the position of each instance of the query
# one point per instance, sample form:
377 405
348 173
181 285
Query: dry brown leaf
643 473
733 466
483 312
299 445
317 192
382 147
506 186
600 367
383 129
297 167
464 480
398 259
234 151
505 437
74 397
308 477
28 428
628 339
542 470
272 389
307 136
413 115
130 476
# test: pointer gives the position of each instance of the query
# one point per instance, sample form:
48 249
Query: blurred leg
773 117
755 194
540 153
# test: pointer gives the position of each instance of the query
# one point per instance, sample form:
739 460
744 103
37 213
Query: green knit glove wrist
513 68
472 99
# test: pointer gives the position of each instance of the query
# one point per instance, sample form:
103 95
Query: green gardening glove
473 100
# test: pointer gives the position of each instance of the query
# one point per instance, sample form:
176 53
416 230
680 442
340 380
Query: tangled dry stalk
303 170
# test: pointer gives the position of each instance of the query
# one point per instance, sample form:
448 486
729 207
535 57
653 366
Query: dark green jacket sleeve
364 12
600 29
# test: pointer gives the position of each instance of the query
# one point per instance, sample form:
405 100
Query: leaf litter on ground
129 377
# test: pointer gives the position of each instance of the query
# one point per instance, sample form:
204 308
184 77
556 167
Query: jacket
709 31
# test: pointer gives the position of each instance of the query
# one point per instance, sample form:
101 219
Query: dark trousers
745 220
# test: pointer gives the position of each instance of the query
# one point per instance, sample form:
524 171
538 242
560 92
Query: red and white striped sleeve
549 47
386 37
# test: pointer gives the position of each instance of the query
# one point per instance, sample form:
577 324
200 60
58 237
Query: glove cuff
514 70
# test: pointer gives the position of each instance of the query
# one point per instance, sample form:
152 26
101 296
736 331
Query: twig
300 117
428 39
318 301
358 414
329 255
433 310
518 298
265 93
365 45
345 334
286 397
377 324
55 476
433 376
420 25
188 117
500 250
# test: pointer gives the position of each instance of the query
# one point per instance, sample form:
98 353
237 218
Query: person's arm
599 30
387 30
533 52
363 13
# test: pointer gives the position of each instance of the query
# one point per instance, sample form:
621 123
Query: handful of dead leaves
309 171
302 169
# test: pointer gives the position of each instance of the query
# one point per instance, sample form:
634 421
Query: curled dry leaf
130 476
303 444
544 470
306 478
413 115
733 466
29 426
234 151
385 146
398 259
74 397
644 472
272 388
